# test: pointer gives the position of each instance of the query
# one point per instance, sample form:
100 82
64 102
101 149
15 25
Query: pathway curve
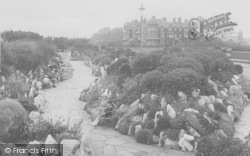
62 103
242 128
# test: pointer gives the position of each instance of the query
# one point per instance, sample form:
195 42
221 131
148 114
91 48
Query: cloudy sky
81 18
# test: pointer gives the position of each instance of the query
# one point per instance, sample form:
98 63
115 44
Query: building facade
154 32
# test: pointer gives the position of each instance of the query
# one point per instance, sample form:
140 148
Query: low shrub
239 68
220 107
182 79
149 124
125 69
173 134
27 104
153 80
144 136
222 146
12 120
41 129
106 61
164 123
143 64
183 62
123 128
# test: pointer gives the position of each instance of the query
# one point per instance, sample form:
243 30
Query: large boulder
12 118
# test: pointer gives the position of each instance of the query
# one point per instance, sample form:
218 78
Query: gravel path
63 104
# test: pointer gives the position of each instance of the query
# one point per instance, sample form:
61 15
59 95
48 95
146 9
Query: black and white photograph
124 78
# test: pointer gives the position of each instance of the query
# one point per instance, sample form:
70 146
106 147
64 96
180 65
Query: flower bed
173 108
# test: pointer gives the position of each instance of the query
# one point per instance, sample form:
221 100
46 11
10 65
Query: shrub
123 128
106 61
164 123
124 69
183 62
153 80
219 146
98 59
220 107
27 104
140 111
144 136
208 127
12 120
173 134
181 79
113 68
149 124
144 63
239 68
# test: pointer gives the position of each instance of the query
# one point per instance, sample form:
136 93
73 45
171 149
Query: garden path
63 104
242 128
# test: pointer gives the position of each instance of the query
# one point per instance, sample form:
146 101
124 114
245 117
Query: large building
154 32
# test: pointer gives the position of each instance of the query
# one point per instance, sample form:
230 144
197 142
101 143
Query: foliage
220 107
144 136
42 128
28 55
221 146
113 68
153 80
239 68
173 134
99 59
123 128
27 104
164 123
105 61
124 69
182 79
144 63
12 119
183 62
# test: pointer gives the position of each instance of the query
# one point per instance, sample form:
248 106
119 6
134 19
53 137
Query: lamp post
141 10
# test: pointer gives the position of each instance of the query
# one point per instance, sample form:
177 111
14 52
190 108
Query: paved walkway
242 128
63 104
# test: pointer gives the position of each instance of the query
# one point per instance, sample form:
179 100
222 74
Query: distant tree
28 55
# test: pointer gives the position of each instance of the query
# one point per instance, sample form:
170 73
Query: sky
82 18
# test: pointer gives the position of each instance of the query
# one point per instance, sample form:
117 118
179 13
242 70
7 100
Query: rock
135 103
171 144
70 146
35 116
196 92
153 97
191 110
211 107
184 142
163 103
201 102
183 97
171 111
137 128
212 98
50 142
143 96
219 100
223 94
